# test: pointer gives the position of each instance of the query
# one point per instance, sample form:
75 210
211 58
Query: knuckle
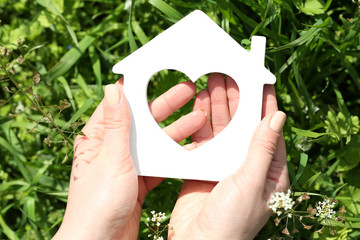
117 123
78 140
267 145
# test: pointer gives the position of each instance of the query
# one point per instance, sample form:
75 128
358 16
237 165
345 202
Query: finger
191 146
278 176
262 148
219 103
202 101
94 127
173 99
269 100
186 125
146 184
233 94
116 124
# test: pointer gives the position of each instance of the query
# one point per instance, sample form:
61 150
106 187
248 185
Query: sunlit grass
313 48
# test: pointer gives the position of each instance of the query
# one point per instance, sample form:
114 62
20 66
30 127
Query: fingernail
203 110
277 121
112 95
195 144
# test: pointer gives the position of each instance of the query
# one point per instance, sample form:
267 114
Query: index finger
269 100
171 100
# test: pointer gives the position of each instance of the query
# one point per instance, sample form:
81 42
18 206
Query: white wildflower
154 224
325 209
19 108
281 200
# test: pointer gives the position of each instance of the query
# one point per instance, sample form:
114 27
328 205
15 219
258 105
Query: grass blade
6 230
308 133
308 36
67 89
52 8
333 195
78 114
171 13
311 180
70 58
303 162
82 84
263 24
139 33
96 66
132 42
29 208
19 159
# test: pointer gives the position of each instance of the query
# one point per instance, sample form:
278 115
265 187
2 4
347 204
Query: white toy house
195 46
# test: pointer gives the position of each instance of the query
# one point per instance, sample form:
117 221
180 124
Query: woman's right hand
236 207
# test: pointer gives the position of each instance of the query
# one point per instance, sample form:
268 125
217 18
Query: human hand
236 207
105 194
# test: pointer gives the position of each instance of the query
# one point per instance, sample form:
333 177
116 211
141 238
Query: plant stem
37 106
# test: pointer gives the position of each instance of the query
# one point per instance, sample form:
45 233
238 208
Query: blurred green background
56 56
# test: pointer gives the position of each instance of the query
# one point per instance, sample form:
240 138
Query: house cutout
196 46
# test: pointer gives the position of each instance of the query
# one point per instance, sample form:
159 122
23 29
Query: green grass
313 47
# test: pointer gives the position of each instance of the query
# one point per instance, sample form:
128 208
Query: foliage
56 56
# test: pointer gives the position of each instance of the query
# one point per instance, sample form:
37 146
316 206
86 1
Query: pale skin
106 195
236 207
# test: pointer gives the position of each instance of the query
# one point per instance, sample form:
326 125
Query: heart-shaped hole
216 93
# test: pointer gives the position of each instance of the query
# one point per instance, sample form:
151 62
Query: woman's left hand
105 194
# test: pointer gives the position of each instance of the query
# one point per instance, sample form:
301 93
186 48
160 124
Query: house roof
197 41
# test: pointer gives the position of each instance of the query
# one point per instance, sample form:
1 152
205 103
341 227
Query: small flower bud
20 41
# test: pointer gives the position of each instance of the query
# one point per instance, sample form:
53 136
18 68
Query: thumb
263 147
116 123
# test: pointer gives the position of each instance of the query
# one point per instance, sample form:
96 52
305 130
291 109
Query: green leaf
227 11
350 197
78 114
306 37
312 7
132 42
311 180
334 223
303 163
18 157
56 9
171 13
139 32
333 195
340 125
96 66
333 166
70 58
263 24
67 89
40 173
29 208
45 19
350 155
308 133
59 4
82 84
6 185
7 230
